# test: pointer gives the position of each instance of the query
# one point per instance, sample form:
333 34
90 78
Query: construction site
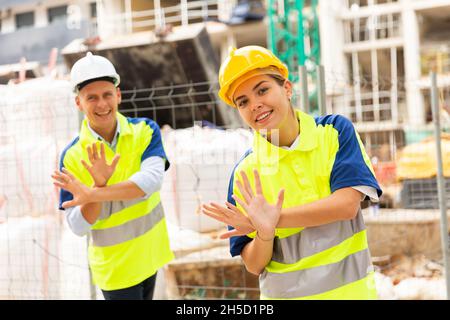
368 60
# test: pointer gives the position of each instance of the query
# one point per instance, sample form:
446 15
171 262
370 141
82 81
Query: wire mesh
42 259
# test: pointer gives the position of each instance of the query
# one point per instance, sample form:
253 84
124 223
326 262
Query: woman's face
263 103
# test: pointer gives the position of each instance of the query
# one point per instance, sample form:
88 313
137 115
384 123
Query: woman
294 198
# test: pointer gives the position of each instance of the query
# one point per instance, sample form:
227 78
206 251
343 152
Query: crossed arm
342 204
90 199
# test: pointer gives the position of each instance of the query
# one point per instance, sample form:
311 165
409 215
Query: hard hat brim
253 73
85 83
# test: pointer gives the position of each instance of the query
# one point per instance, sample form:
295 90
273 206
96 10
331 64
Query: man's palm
99 169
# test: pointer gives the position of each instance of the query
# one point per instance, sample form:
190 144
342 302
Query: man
116 201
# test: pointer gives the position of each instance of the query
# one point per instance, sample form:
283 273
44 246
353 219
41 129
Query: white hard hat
92 67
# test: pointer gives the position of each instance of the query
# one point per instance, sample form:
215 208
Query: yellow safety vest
129 241
330 261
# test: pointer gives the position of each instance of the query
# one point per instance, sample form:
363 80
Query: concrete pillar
158 13
225 8
8 22
110 18
230 42
128 16
414 98
40 16
332 39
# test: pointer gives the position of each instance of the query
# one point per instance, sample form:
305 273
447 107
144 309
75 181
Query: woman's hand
229 215
65 180
263 215
99 169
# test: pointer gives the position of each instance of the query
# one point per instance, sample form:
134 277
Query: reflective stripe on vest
334 254
111 207
312 240
317 280
130 230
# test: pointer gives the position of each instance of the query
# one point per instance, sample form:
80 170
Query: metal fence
180 106
42 259
39 258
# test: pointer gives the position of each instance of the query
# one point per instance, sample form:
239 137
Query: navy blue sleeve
236 243
349 168
155 148
65 195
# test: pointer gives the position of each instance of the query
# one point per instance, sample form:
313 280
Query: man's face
99 101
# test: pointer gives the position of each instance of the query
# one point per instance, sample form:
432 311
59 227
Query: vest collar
87 137
269 153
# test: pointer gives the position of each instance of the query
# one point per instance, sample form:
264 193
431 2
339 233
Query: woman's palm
263 215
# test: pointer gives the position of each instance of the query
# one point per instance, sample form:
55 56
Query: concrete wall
35 43
404 231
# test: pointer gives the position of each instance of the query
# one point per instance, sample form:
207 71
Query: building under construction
376 56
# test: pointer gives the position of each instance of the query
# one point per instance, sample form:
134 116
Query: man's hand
65 180
229 215
99 170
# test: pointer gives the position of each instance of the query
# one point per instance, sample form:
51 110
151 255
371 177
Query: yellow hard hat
243 60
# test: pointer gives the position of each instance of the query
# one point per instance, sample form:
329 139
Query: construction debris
410 278
39 118
210 274
401 267
410 288
185 241
10 73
